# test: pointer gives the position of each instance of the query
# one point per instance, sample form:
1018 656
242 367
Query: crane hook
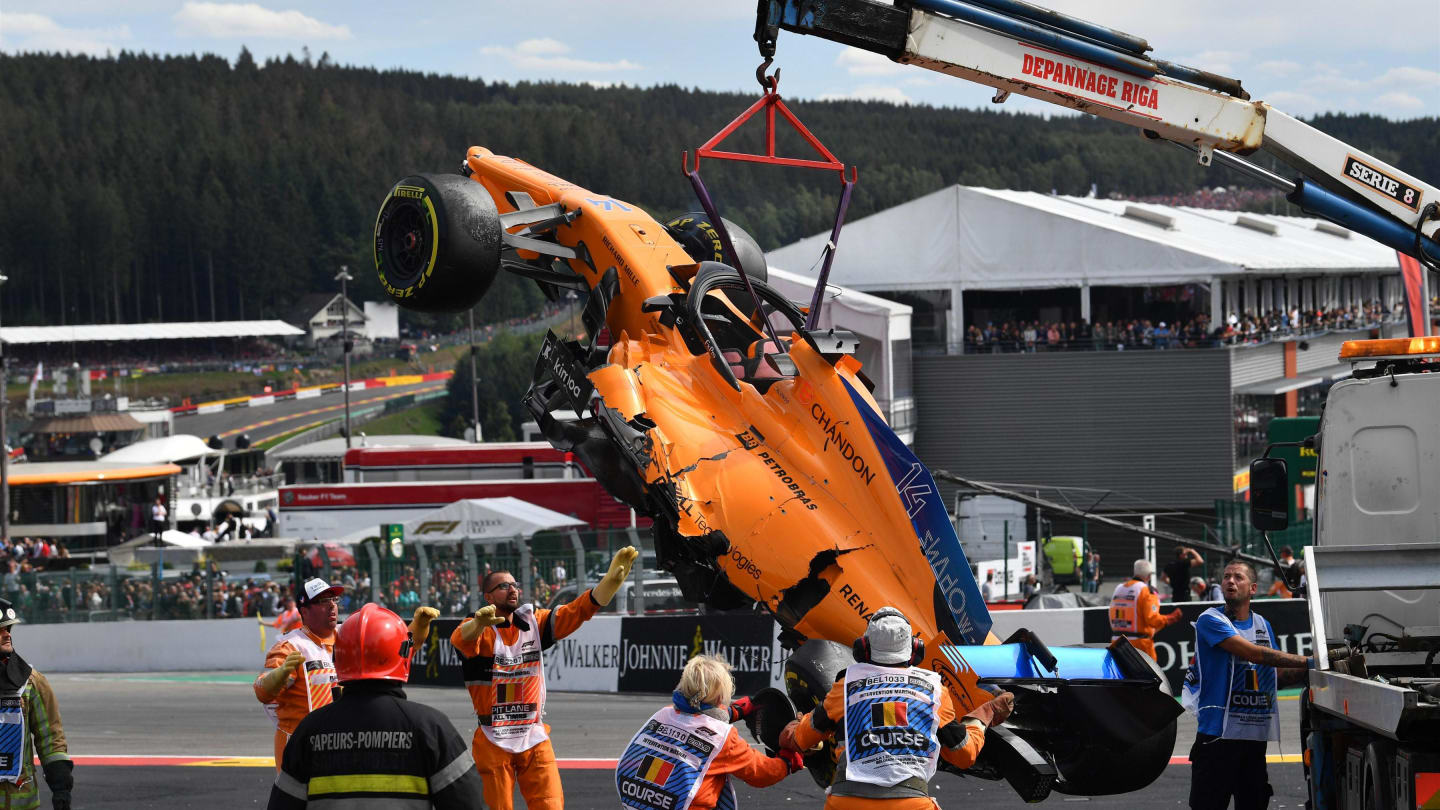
771 83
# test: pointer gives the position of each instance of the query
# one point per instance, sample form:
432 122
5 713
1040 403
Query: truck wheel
1378 789
437 243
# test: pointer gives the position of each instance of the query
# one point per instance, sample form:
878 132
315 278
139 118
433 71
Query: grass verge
421 420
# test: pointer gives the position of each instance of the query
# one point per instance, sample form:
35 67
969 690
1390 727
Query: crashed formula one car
756 447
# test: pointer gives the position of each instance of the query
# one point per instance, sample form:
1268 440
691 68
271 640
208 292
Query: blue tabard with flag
1230 697
890 731
664 764
12 737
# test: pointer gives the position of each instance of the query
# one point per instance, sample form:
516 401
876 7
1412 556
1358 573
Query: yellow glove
483 618
619 570
278 678
420 625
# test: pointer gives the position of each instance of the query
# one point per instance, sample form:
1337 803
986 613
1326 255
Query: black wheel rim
405 241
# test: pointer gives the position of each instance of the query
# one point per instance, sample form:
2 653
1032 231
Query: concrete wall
1057 628
1154 424
215 644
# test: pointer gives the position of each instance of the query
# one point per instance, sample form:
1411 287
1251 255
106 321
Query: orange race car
756 447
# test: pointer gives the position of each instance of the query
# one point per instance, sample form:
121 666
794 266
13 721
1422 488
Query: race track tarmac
215 742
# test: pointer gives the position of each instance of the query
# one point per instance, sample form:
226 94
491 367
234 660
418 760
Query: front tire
437 243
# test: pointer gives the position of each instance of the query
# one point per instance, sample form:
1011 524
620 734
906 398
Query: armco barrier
607 653
631 653
260 400
214 644
1175 645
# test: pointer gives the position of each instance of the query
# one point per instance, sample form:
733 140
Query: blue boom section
1071 25
1384 229
1014 661
1041 35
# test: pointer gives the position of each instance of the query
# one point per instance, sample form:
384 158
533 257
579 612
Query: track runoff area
201 740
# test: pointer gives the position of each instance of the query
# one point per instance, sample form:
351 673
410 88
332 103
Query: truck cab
1371 715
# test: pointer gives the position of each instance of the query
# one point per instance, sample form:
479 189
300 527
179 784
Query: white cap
1143 569
317 588
889 637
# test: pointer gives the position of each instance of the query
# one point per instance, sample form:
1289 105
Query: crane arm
1019 48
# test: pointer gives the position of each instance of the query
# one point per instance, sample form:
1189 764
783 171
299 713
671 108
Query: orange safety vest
1125 609
317 676
518 690
288 619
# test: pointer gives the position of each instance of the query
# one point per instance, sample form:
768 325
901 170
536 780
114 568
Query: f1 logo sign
437 527
913 493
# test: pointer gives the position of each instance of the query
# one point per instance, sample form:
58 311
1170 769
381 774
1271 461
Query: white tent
188 330
175 547
883 327
991 239
964 238
169 449
485 519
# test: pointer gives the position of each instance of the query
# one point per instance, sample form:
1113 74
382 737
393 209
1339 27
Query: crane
1017 47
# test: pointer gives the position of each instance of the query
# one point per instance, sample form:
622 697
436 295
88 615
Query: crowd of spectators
450 592
146 357
1253 328
1219 198
1145 334
63 594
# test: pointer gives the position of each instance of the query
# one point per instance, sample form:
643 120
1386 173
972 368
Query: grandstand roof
185 330
333 449
980 238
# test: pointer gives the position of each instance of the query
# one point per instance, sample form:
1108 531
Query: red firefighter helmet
373 644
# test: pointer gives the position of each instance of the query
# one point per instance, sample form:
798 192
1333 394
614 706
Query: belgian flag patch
890 713
655 770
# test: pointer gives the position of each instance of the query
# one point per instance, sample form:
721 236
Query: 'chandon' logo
833 436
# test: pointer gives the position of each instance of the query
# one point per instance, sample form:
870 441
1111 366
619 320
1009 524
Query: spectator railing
448 576
1087 338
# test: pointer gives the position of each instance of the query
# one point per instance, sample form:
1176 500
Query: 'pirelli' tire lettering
437 243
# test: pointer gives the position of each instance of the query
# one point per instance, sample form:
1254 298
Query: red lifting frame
770 101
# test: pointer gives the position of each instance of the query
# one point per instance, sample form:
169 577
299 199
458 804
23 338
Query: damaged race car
755 445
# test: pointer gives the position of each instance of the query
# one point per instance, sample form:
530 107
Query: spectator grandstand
1197 332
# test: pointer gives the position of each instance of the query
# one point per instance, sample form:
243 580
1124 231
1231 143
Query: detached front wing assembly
1087 721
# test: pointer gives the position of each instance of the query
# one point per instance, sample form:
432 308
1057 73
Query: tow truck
1370 718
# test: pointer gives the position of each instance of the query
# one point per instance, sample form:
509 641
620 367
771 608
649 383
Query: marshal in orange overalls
1135 614
807 736
307 689
533 765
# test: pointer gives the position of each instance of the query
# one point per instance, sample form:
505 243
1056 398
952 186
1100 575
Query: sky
1302 56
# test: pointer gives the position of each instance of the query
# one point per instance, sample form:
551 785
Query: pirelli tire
437 243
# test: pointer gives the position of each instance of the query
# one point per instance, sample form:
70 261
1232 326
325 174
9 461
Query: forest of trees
143 188
504 366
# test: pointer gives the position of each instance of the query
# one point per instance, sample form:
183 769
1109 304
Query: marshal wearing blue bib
664 764
12 736
1231 698
890 733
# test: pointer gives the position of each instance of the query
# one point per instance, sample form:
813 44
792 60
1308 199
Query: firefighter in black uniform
372 747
